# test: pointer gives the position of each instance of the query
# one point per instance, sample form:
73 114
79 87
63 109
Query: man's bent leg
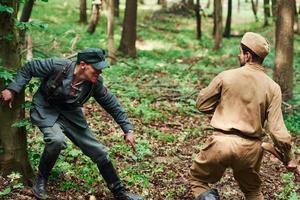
90 146
54 143
246 168
208 167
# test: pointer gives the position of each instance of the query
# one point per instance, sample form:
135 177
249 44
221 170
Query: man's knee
99 155
55 144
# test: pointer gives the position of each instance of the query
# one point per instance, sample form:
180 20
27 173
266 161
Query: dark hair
255 57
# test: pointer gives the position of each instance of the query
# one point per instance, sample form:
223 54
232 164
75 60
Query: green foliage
292 122
288 191
31 25
5 191
6 9
6 75
14 183
22 123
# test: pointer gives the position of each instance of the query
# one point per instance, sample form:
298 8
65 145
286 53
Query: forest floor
158 89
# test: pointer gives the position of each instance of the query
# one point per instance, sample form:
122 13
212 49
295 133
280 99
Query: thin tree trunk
284 45
117 10
239 6
13 143
25 16
218 24
254 6
208 4
198 19
82 12
274 9
110 31
228 20
128 39
26 12
29 55
267 13
163 3
296 20
95 17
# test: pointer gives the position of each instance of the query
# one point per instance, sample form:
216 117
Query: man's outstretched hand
293 166
130 139
7 96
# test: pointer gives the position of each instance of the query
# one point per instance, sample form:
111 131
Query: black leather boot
113 181
39 187
47 162
211 194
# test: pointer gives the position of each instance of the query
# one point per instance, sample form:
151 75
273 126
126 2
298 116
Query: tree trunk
274 9
163 3
218 24
198 19
13 143
127 44
228 20
110 31
82 12
254 6
25 16
267 12
208 4
95 17
296 20
284 40
26 12
117 10
190 4
239 6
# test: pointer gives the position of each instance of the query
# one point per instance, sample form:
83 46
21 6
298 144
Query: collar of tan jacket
255 66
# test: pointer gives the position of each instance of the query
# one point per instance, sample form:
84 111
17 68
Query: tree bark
208 4
95 17
198 19
163 3
296 20
274 9
128 39
267 12
284 40
218 24
228 20
26 12
117 10
82 12
254 6
13 143
110 31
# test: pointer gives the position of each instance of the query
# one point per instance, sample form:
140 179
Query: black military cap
93 56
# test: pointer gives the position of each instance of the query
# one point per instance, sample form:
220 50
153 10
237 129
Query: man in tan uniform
241 100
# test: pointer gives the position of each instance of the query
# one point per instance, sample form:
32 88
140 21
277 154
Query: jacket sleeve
277 128
111 105
36 68
208 97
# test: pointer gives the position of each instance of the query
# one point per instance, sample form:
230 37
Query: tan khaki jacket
243 99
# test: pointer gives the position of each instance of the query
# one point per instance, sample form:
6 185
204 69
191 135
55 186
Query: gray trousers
54 138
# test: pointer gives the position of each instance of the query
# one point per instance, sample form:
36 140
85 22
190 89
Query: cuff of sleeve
14 88
126 128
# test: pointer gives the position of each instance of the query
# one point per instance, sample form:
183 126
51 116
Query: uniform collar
255 66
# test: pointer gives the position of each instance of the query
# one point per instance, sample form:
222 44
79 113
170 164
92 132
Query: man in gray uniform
57 111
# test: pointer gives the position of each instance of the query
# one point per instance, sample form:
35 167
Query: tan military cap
257 43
